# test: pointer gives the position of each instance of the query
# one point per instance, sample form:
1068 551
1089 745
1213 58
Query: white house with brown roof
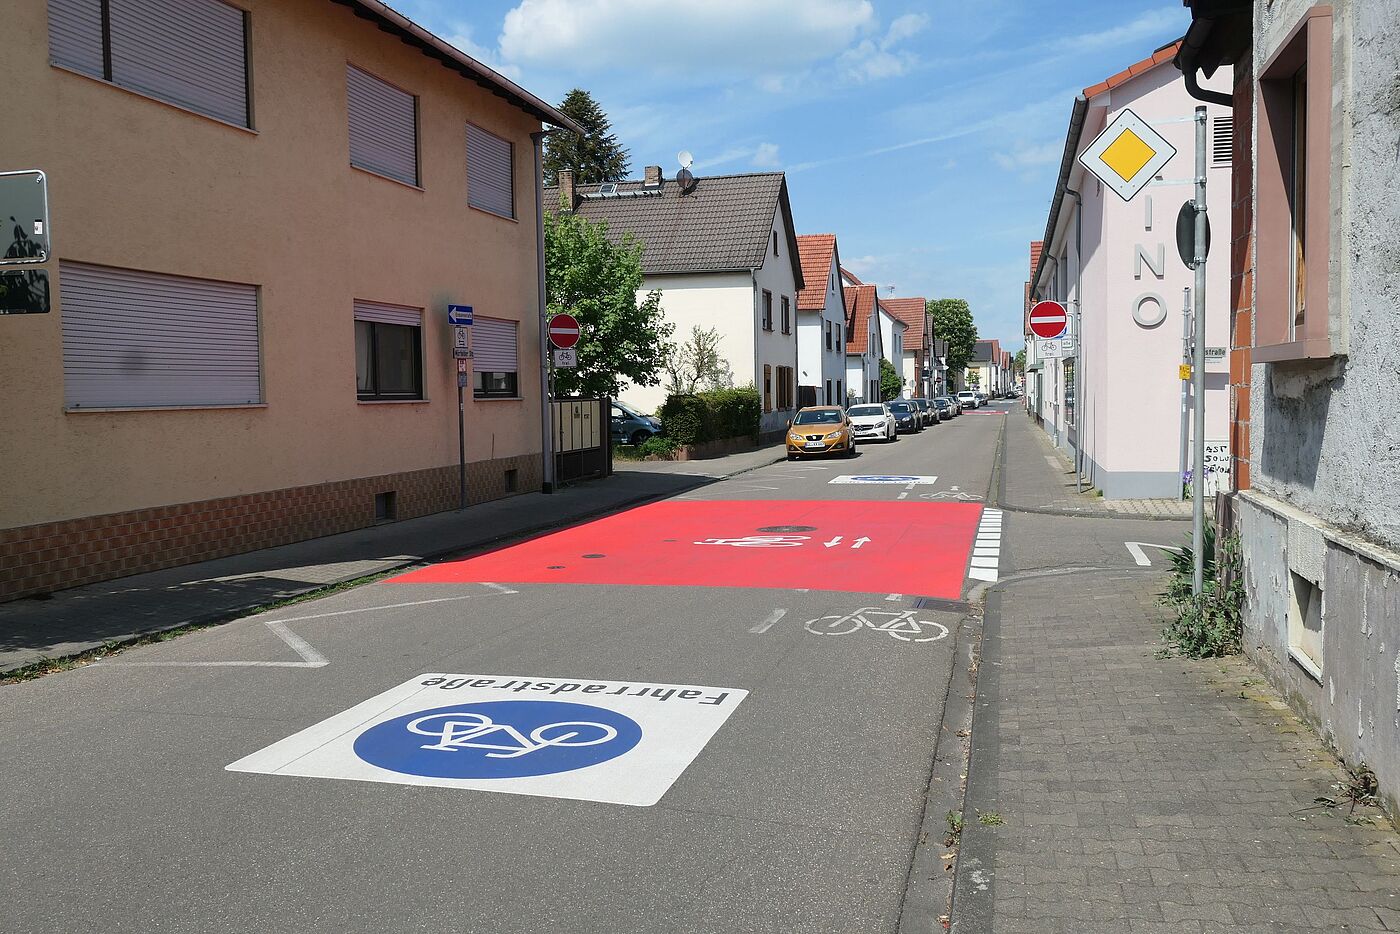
821 323
723 252
915 344
863 347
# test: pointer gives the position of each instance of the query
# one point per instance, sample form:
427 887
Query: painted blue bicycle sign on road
498 739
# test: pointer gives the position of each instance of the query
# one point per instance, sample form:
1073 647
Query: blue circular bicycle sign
886 479
498 739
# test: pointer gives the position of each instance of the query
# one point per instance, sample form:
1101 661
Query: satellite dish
685 158
686 180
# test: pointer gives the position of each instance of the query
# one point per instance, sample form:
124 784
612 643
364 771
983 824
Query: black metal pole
461 447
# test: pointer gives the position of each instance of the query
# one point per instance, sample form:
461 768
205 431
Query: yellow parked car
820 429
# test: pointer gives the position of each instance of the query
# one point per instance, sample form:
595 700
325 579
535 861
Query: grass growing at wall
1209 625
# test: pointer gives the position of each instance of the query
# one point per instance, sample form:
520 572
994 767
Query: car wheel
639 436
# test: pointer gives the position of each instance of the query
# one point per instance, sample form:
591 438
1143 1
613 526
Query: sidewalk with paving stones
1053 489
83 618
1115 790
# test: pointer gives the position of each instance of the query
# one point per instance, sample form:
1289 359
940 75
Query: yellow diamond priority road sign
1127 155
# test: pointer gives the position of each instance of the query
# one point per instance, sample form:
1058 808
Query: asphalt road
715 713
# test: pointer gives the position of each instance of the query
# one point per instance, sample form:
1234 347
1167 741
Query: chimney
653 177
568 200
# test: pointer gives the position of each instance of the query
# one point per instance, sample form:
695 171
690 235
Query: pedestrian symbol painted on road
499 739
620 742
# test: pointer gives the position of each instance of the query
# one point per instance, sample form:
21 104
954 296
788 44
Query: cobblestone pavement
1142 794
1150 507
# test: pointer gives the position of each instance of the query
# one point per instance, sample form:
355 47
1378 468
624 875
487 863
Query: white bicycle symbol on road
465 730
904 626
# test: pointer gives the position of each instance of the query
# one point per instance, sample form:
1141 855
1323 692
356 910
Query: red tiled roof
860 305
850 277
1161 56
816 252
912 311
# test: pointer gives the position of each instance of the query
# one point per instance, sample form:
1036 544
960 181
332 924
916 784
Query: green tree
596 281
952 322
891 383
1020 361
596 156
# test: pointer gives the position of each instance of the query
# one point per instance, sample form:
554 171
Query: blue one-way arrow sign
459 316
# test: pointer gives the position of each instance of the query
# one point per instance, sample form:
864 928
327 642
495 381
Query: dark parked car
926 408
946 407
907 418
630 426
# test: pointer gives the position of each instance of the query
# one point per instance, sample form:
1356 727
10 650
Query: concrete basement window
1305 624
512 480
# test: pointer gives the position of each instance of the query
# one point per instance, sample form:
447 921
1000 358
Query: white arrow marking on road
860 541
768 623
833 543
1135 549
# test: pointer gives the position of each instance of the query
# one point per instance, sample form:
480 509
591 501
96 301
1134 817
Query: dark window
775 243
490 383
767 388
828 392
828 335
767 310
388 361
787 315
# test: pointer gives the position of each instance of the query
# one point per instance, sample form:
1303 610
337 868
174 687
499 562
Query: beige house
259 213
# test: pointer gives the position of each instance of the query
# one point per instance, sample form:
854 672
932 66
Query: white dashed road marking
986 550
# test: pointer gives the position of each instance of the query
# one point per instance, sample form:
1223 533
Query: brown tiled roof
816 252
723 224
1160 57
860 305
913 312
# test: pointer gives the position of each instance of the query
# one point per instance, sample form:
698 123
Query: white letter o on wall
1148 317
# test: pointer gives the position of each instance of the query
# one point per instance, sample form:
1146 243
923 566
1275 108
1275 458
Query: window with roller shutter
388 352
190 53
383 127
134 339
490 179
494 361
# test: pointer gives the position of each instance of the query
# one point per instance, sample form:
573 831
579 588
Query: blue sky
926 136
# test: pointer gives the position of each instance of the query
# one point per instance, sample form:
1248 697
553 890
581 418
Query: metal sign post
460 317
1198 373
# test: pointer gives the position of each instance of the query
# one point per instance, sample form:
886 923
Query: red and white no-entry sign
1048 320
563 331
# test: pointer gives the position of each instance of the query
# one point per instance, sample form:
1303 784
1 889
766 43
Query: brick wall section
57 555
1242 273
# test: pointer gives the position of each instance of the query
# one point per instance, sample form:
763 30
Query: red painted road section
912 548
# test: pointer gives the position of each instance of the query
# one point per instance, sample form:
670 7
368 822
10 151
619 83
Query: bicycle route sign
611 741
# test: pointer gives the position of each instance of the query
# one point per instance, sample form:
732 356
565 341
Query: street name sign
461 353
1127 155
459 316
563 331
1049 320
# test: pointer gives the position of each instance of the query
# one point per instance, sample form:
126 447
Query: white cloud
461 37
1026 155
710 41
872 59
766 156
1149 25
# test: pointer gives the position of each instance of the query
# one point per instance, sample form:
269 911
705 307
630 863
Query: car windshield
818 417
921 403
866 410
901 407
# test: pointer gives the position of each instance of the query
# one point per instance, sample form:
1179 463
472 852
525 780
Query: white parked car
968 399
872 422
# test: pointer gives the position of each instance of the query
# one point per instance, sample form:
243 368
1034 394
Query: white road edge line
499 588
768 623
371 609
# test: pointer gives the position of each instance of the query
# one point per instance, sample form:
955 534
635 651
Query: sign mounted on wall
1127 155
459 316
24 218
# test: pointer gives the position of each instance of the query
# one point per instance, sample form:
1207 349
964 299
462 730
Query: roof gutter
1220 34
1076 130
1188 60
410 33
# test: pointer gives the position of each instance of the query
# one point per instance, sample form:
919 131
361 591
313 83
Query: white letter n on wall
1158 267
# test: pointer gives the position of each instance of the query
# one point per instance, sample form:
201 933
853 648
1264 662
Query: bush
695 418
1209 625
657 446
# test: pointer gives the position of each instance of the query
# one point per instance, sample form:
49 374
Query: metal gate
582 442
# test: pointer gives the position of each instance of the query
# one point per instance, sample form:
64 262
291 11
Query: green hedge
710 416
